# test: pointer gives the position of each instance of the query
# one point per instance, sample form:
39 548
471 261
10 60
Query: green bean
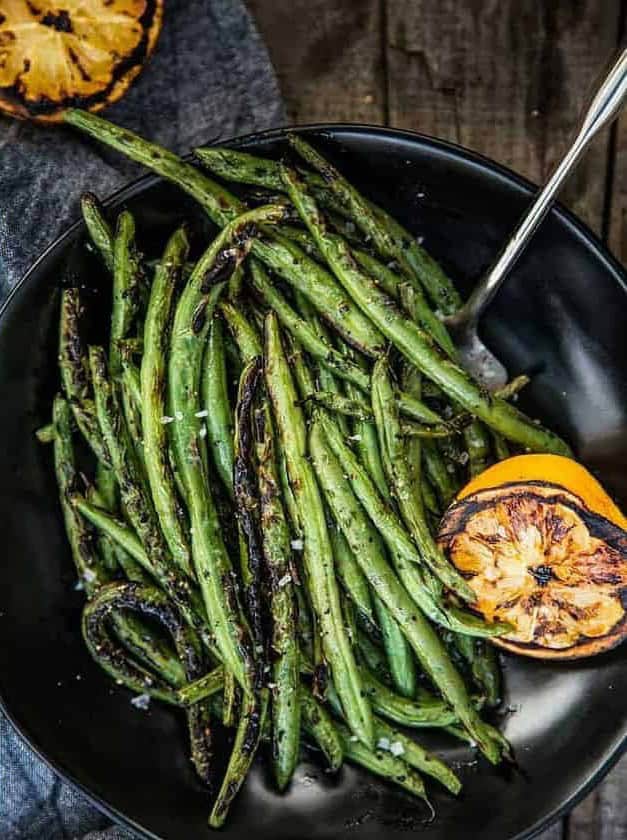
79 535
416 756
250 169
126 285
310 279
244 333
98 228
421 585
427 711
513 387
246 496
382 763
318 554
115 529
477 444
136 501
438 474
75 373
410 340
247 739
389 281
322 351
236 280
425 642
368 221
397 649
201 688
406 492
484 666
134 635
302 331
277 551
374 657
240 167
191 323
132 412
153 384
501 449
216 405
351 577
287 259
318 723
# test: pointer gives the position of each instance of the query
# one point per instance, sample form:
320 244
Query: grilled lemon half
550 561
78 53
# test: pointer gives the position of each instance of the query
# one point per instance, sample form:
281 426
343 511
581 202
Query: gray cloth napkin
210 77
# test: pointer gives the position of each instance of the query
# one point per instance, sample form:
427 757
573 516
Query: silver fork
474 355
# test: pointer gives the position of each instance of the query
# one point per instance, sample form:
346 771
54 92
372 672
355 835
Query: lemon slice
78 53
537 556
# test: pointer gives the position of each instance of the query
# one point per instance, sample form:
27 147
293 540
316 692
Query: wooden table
504 77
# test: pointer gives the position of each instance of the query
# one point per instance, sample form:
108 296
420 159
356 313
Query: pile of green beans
275 430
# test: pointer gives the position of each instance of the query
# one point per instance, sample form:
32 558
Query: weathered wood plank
504 77
617 207
327 56
603 814
617 224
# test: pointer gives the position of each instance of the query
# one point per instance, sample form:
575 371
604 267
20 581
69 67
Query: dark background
504 77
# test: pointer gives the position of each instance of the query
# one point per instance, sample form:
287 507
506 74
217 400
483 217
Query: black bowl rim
575 226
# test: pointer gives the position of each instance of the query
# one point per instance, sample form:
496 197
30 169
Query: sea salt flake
203 413
354 437
383 744
178 415
297 545
142 701
285 580
165 419
396 748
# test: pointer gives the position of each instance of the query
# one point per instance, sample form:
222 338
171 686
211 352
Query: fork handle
603 109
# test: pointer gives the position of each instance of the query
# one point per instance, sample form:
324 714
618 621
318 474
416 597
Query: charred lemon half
545 549
79 53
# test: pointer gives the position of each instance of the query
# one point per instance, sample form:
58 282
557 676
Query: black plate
560 317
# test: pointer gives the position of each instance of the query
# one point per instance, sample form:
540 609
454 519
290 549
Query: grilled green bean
407 494
318 723
368 221
246 496
98 228
137 504
416 756
216 405
244 333
154 416
286 258
191 323
318 554
285 702
425 642
382 763
75 373
247 740
412 341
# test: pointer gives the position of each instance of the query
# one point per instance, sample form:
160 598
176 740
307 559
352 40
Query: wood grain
327 56
603 814
504 77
